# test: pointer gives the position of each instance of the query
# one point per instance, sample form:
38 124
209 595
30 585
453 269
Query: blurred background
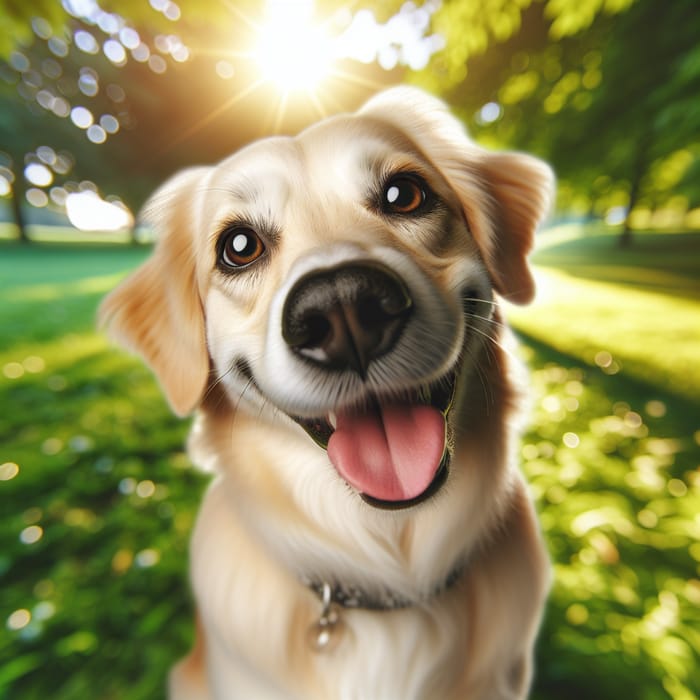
101 101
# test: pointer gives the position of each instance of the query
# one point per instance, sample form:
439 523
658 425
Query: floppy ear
157 311
521 189
504 195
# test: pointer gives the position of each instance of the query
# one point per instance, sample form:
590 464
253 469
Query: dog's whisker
497 342
489 320
218 380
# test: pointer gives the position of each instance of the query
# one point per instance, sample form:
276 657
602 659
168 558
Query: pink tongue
391 453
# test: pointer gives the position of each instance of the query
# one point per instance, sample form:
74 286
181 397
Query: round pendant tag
324 635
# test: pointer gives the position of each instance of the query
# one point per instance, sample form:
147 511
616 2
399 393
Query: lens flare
292 52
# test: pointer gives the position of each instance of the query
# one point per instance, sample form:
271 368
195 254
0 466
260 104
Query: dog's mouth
393 450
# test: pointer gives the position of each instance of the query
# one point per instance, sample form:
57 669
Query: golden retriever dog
327 304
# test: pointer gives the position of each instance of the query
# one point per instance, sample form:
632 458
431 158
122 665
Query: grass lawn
98 498
635 310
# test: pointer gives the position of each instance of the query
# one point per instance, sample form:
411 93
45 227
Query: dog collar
353 597
324 634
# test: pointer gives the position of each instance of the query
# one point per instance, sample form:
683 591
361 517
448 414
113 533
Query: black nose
346 316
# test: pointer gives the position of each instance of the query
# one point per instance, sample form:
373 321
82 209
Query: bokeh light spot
157 64
81 117
31 535
36 197
96 134
38 174
5 185
18 620
109 123
34 364
655 409
571 440
147 558
52 446
19 61
225 70
129 37
145 489
115 52
86 42
41 28
58 47
577 614
89 212
8 471
13 370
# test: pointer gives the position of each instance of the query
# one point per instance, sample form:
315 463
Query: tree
605 91
168 106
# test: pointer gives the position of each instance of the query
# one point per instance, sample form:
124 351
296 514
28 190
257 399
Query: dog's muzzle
346 316
393 448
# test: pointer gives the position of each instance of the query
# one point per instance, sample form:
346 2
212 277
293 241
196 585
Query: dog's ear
520 188
157 311
504 195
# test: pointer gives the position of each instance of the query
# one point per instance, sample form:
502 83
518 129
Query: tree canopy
603 89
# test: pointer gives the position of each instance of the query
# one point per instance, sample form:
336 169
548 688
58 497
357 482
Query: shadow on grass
51 290
667 262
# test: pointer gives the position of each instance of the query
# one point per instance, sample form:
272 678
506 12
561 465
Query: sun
292 52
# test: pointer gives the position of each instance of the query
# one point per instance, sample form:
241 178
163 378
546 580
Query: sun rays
294 61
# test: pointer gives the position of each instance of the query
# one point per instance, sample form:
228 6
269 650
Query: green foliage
17 21
96 514
603 89
606 91
170 113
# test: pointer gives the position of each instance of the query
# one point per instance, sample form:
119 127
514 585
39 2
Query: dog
328 304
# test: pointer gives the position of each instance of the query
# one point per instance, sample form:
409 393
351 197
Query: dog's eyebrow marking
245 192
267 184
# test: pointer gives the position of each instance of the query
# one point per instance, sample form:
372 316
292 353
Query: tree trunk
16 203
625 240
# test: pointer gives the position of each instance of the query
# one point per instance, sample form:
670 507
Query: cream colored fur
276 508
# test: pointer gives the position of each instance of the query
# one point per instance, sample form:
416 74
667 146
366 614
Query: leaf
18 667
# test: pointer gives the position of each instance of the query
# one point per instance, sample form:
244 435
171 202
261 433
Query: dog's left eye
240 247
404 194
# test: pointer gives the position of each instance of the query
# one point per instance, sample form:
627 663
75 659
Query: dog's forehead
355 145
344 152
263 167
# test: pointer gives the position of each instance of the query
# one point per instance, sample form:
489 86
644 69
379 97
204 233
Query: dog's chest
403 654
258 617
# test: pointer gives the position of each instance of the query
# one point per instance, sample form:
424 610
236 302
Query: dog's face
341 282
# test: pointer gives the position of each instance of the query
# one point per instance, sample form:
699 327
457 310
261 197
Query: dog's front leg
506 593
188 678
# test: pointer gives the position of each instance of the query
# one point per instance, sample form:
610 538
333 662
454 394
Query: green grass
635 310
96 515
94 526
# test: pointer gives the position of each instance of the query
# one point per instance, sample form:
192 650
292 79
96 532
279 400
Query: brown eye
403 194
241 246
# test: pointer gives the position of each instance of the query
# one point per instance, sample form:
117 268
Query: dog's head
342 281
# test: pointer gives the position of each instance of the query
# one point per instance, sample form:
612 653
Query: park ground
98 497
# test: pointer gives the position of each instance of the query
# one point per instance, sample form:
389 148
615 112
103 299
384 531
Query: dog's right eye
404 194
239 247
